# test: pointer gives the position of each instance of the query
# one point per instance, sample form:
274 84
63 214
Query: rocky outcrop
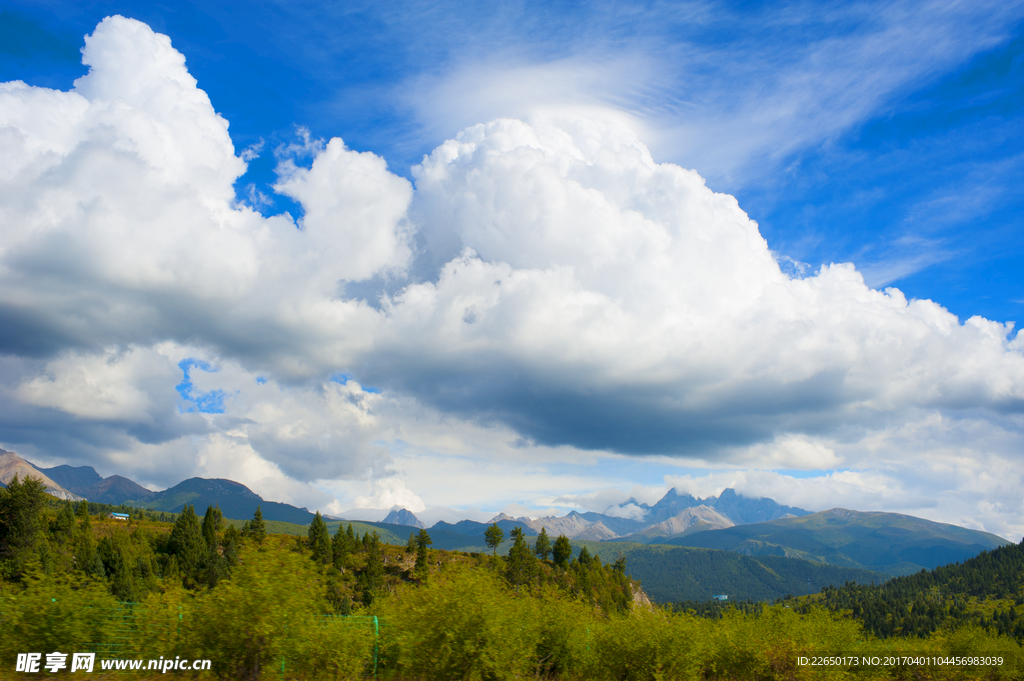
13 465
401 516
689 517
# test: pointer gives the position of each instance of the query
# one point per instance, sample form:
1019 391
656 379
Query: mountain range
887 543
13 465
83 482
673 514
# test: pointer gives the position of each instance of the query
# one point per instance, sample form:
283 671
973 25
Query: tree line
986 590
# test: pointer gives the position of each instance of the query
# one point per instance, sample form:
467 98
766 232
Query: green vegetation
985 591
269 606
672 573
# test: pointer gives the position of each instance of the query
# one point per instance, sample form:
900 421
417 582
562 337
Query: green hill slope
886 542
986 590
235 501
670 573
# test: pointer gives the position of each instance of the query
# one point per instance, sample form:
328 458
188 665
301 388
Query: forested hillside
347 606
670 573
987 590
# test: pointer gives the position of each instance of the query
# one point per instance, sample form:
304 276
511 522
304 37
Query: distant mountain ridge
87 483
886 542
83 482
235 500
672 514
13 465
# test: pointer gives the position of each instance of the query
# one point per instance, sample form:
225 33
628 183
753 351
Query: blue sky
886 135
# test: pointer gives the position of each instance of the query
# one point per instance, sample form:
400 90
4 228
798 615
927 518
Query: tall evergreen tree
521 566
257 528
187 544
411 546
542 547
493 536
562 551
320 540
341 547
210 527
230 545
423 540
372 577
63 525
22 527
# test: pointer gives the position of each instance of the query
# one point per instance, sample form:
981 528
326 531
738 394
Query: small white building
119 516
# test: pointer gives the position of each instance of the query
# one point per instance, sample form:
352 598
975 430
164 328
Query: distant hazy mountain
886 542
575 526
11 464
471 528
673 514
117 490
235 500
687 519
73 478
739 509
86 482
401 516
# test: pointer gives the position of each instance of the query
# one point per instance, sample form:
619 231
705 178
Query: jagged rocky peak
505 516
401 516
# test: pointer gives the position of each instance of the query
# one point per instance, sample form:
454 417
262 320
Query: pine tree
320 540
216 565
542 547
493 536
230 545
257 529
341 547
372 578
22 527
423 540
411 546
64 524
188 545
521 566
210 528
562 551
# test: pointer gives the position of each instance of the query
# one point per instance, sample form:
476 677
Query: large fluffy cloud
549 282
612 302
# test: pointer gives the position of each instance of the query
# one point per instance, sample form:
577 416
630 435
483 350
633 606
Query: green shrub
462 625
260 615
50 615
649 644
